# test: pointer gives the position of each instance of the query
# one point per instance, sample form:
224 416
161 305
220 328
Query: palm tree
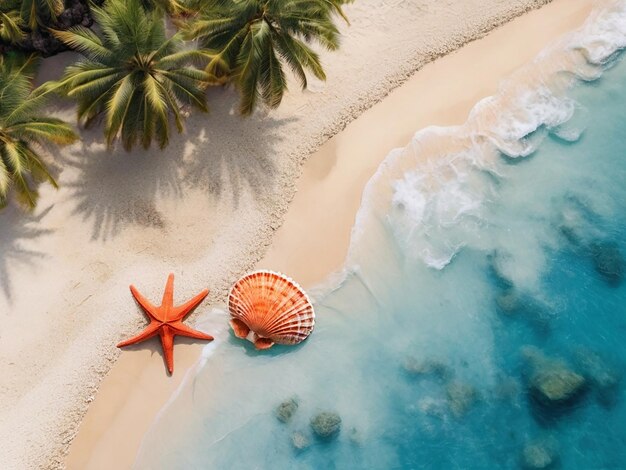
335 5
11 23
251 40
131 74
171 7
37 13
22 132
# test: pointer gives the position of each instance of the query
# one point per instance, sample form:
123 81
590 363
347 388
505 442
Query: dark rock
508 302
427 367
540 454
512 304
300 441
326 425
551 383
461 397
285 411
608 262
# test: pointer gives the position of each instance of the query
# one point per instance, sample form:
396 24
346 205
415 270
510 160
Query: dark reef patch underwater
482 320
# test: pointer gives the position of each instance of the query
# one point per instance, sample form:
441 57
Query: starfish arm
150 331
167 341
168 295
183 330
181 311
141 300
162 322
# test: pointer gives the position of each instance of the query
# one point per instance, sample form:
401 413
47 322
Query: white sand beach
209 206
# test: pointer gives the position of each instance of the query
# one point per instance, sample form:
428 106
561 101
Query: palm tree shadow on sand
15 229
114 188
234 158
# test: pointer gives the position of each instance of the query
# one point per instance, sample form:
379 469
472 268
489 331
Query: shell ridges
273 306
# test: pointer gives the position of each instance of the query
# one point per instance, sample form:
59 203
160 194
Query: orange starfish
167 321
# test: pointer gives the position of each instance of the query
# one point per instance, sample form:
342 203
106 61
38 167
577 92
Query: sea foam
445 176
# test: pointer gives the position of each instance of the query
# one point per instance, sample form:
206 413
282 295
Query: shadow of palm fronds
112 189
16 228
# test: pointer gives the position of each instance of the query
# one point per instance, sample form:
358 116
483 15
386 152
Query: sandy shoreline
206 208
320 217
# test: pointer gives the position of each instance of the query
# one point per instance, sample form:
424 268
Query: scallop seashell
269 308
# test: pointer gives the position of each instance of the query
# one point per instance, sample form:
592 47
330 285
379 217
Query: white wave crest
446 177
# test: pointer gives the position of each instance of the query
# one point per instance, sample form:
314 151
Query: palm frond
133 75
21 168
117 106
189 56
184 87
10 27
5 177
85 41
248 66
251 41
18 167
273 80
40 12
44 129
38 169
294 50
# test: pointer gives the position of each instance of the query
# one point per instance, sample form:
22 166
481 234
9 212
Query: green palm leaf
85 41
171 7
42 130
132 75
184 89
40 12
22 130
117 106
11 26
250 42
19 168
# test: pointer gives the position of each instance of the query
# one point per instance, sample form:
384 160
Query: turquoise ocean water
488 261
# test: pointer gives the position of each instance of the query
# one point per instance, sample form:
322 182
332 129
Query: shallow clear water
483 255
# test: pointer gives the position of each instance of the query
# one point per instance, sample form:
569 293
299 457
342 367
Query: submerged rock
300 441
461 397
511 303
427 367
603 377
508 302
286 410
326 425
608 262
551 382
540 454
